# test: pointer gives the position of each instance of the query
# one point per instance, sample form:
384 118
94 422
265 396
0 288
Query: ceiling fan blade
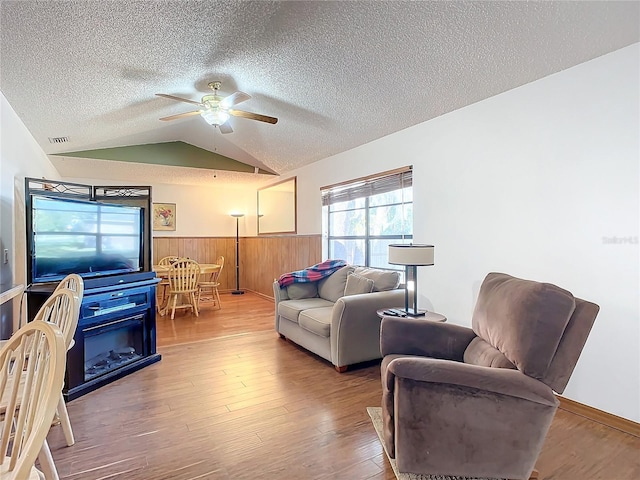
179 99
180 115
225 128
234 99
253 116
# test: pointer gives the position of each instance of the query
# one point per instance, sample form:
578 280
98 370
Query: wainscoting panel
202 250
261 258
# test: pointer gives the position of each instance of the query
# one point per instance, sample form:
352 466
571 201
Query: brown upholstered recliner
479 401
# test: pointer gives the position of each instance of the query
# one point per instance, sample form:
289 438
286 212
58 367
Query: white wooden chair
183 282
75 284
210 286
62 309
32 365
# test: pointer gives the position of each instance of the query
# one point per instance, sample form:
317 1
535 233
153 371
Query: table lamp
411 256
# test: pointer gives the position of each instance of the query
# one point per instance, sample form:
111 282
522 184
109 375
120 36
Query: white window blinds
366 187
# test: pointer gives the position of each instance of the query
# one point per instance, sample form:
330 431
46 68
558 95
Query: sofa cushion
481 353
383 280
316 320
296 291
290 309
332 287
357 284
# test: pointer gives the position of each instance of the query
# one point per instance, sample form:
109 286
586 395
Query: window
362 217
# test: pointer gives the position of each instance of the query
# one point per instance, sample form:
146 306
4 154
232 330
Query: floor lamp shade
411 256
237 216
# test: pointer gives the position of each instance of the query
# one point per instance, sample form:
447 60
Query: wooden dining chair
210 286
163 286
183 283
32 365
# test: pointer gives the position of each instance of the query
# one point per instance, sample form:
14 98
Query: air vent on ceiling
58 139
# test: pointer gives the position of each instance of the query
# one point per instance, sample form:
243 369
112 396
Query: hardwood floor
231 400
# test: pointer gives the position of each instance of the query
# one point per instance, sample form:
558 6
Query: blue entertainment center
83 226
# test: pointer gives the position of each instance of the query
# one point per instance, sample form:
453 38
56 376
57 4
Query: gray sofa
335 317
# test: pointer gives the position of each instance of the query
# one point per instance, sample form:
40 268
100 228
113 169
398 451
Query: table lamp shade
411 254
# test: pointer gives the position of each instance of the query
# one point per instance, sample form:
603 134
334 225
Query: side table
429 316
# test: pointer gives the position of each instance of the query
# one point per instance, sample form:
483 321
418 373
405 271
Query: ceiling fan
216 110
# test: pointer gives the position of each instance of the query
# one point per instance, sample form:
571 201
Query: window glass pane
379 254
391 220
352 251
351 204
344 224
396 196
408 218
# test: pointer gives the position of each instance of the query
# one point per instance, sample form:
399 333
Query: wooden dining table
162 271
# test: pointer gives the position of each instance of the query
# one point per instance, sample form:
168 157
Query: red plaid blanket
311 274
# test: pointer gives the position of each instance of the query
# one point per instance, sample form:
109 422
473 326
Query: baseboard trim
608 419
259 294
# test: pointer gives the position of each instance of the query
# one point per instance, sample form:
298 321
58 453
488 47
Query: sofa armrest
355 326
407 336
279 294
502 381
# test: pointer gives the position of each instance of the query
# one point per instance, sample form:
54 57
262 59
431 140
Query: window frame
362 186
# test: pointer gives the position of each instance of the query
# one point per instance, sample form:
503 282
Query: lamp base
237 292
415 313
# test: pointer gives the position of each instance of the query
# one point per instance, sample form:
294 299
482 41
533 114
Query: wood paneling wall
261 258
264 258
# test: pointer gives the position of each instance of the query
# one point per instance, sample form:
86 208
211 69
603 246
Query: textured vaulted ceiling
336 74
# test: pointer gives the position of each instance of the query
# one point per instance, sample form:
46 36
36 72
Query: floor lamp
237 216
411 256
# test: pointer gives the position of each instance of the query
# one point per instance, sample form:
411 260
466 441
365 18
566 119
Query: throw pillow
332 287
297 291
383 280
357 284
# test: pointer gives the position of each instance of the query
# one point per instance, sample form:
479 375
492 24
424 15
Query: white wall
205 211
201 211
533 182
20 157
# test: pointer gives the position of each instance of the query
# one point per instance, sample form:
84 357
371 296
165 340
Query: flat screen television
79 236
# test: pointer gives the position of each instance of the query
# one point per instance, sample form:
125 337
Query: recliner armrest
405 336
503 381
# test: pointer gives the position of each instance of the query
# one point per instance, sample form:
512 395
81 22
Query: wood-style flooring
231 400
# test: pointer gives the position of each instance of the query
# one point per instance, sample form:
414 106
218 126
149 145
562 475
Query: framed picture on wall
164 216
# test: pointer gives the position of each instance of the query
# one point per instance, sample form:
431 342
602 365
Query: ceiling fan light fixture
215 117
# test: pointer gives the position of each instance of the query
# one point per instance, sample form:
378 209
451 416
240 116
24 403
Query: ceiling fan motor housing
213 113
